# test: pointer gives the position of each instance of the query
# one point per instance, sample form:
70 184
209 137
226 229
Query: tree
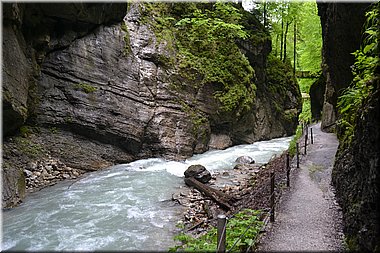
304 39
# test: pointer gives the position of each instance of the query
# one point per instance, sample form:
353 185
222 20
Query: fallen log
222 199
196 225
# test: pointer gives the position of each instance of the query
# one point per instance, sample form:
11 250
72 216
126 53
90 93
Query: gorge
87 86
98 90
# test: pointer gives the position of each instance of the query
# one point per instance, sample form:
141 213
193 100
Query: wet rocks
199 172
48 172
220 141
250 167
201 212
245 160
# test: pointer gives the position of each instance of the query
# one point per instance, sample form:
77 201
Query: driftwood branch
196 225
222 199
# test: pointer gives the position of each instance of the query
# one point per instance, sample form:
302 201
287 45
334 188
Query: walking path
308 217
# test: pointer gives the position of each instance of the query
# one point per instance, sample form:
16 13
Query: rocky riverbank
248 183
48 172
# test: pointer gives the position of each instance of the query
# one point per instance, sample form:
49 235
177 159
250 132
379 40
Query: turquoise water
120 208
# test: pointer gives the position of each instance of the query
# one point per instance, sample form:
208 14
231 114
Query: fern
366 61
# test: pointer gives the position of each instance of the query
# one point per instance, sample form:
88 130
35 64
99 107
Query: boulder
245 160
220 141
199 172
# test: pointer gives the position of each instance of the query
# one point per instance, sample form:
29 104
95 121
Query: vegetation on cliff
356 170
205 35
364 72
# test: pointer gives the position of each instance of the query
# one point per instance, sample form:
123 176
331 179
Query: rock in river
199 172
245 160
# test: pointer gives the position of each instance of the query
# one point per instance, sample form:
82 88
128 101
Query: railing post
272 196
287 170
305 142
297 154
221 234
311 136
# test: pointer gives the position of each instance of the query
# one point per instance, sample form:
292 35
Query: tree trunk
286 33
222 199
295 47
276 47
265 14
282 36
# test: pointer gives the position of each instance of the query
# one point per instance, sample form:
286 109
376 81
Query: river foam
119 208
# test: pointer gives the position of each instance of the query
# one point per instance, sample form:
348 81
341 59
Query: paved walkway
308 217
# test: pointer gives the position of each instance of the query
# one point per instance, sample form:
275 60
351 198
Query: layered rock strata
92 77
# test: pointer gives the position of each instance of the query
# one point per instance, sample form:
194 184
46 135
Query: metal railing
270 215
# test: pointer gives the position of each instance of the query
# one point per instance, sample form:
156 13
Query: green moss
292 145
68 119
305 115
127 40
86 88
197 119
30 149
305 84
280 76
53 130
157 17
351 243
290 115
204 35
25 131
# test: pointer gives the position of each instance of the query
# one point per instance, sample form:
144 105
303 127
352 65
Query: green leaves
241 232
205 35
309 39
206 39
366 61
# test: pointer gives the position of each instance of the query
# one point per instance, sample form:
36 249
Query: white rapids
120 208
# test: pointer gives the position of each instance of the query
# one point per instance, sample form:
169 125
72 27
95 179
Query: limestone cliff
99 89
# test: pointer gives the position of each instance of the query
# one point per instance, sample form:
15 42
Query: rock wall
356 178
355 174
30 32
317 91
103 88
341 33
100 92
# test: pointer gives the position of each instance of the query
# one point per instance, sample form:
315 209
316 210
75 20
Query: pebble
28 173
48 172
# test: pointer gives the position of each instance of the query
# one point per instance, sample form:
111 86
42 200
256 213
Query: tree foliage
207 44
364 71
241 231
286 19
205 36
310 38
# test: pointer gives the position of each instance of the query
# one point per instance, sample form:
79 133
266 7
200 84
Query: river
119 208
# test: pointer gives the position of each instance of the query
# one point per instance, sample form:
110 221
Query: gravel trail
308 217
